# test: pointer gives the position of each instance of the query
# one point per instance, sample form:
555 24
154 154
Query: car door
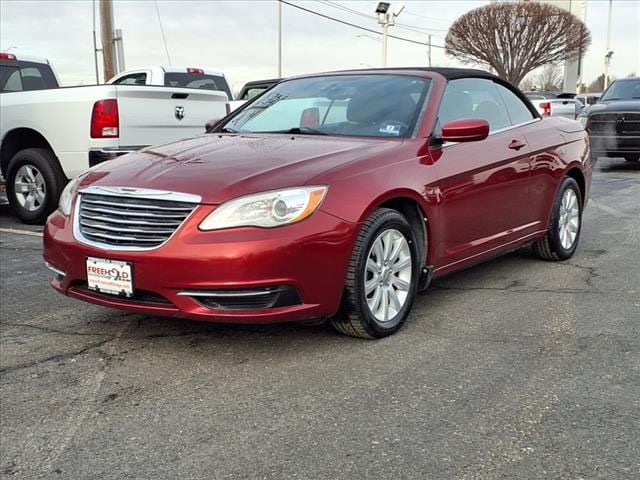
483 185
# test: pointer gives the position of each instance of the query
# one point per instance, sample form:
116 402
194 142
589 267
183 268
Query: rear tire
561 239
34 183
382 278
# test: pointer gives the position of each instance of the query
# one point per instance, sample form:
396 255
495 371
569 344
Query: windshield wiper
299 131
228 130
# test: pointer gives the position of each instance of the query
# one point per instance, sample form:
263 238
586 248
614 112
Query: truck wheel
562 237
631 158
382 278
34 183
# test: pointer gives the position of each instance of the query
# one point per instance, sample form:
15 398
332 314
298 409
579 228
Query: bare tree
528 83
516 38
550 78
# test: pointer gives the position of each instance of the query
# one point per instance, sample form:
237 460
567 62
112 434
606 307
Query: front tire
382 278
34 183
561 239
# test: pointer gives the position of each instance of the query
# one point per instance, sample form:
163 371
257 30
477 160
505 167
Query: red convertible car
336 195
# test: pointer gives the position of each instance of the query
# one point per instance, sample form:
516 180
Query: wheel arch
20 139
408 204
575 173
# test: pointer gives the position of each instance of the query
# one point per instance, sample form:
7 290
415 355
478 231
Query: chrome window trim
501 130
130 192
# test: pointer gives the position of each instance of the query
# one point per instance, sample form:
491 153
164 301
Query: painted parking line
21 232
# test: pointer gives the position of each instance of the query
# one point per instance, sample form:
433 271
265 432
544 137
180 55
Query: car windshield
375 105
628 89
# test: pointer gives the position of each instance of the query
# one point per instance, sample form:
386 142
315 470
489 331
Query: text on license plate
109 276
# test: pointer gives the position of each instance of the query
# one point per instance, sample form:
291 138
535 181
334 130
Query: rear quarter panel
62 116
557 146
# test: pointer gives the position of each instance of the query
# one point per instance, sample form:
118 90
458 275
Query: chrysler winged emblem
179 112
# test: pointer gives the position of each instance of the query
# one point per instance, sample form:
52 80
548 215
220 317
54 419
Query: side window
133 79
517 110
252 92
37 76
473 98
32 79
10 80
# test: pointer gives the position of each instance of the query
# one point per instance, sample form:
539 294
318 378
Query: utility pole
429 42
279 39
107 35
95 42
386 19
119 45
385 33
607 57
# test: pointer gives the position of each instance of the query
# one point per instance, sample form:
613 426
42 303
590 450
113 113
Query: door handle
516 145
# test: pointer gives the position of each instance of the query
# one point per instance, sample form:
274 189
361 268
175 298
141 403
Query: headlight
267 209
583 120
66 198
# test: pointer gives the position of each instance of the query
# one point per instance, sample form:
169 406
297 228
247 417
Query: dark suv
614 122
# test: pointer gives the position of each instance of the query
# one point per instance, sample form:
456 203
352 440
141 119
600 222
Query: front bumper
614 146
310 258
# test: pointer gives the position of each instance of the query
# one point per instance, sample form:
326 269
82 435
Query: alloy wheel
30 189
569 221
388 275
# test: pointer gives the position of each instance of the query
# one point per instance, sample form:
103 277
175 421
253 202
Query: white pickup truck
550 104
49 135
175 77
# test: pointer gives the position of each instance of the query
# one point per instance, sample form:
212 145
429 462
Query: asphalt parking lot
516 368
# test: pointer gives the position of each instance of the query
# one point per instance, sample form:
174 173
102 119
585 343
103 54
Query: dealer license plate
109 276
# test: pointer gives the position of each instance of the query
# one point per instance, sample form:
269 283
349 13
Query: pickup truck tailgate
559 107
155 115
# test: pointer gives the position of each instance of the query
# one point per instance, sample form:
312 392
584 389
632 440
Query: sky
240 37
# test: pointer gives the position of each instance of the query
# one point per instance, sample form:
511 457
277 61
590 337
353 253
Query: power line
411 28
353 25
439 19
164 40
347 9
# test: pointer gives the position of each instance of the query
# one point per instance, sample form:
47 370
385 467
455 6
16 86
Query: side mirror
465 130
211 123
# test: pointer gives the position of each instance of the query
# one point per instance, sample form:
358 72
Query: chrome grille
129 221
614 124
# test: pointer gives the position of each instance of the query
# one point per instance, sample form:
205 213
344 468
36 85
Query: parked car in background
52 135
613 123
251 90
176 77
588 98
18 74
334 195
555 104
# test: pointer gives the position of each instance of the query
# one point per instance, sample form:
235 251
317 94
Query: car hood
616 106
219 167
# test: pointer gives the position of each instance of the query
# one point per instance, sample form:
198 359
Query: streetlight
607 57
386 19
607 62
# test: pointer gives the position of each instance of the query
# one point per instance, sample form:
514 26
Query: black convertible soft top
449 73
